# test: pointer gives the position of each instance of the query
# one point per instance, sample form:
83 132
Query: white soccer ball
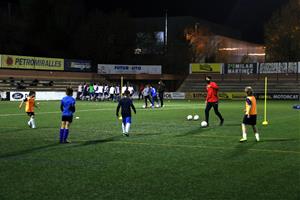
189 117
196 117
157 106
203 124
144 106
76 117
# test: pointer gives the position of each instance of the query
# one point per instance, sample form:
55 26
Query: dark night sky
248 16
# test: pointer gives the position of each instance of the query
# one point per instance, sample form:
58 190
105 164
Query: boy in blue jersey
126 105
67 108
153 94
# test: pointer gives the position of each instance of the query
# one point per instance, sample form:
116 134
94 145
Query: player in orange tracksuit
212 100
29 108
250 115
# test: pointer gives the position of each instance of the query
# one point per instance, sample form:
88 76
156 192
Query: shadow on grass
280 140
241 149
27 151
99 141
194 131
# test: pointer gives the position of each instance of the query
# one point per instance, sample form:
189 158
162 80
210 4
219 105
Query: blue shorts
126 120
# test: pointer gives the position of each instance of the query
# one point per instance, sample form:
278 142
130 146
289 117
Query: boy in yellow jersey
29 108
250 115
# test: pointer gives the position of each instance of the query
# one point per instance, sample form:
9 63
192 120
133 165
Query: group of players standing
126 104
101 92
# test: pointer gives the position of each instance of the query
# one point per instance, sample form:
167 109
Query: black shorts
30 114
250 121
67 119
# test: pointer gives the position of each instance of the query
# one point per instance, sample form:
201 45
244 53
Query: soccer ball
203 124
189 117
196 117
157 106
144 106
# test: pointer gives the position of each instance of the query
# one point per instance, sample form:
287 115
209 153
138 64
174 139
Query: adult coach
161 91
212 99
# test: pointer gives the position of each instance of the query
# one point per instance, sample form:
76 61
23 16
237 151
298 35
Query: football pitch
166 157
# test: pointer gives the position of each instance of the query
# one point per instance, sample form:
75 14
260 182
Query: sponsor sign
205 67
40 95
284 67
250 68
26 62
174 95
17 96
279 96
222 95
129 69
78 65
195 95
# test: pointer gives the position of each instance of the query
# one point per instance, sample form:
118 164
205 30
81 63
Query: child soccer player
67 108
126 105
250 115
29 108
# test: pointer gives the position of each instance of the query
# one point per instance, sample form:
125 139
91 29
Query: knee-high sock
123 128
32 122
61 135
66 134
127 127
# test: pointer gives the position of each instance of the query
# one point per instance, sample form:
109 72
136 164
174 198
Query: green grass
166 157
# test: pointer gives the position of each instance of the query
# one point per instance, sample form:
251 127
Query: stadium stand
277 83
45 80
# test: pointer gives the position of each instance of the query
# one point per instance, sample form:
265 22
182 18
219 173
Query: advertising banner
78 65
222 95
40 95
129 69
205 68
174 95
278 96
284 67
249 68
17 95
26 62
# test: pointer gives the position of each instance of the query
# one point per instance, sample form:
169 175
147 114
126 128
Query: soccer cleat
126 134
222 122
243 140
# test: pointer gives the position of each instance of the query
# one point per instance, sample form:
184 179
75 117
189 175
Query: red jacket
212 92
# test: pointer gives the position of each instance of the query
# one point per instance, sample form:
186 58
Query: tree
282 34
203 45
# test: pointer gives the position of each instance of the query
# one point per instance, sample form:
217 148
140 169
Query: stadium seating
10 79
277 83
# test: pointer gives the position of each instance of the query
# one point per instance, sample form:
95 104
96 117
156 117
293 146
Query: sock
245 135
123 127
61 135
127 127
257 136
32 122
66 134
